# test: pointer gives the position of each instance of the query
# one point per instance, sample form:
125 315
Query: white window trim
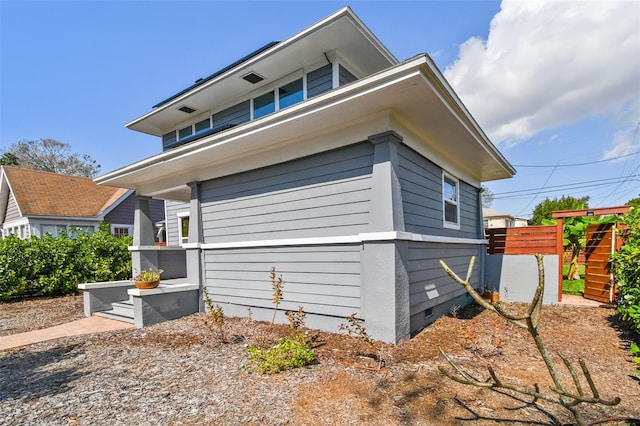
445 223
181 215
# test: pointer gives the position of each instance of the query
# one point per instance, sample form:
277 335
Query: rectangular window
169 139
120 231
450 190
202 126
290 94
183 229
185 132
263 105
48 229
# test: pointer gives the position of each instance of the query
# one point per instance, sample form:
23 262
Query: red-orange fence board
598 280
526 240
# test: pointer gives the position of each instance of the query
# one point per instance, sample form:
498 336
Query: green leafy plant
54 266
285 354
635 351
148 275
626 266
277 285
297 318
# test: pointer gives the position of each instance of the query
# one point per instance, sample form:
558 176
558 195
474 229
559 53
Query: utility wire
541 166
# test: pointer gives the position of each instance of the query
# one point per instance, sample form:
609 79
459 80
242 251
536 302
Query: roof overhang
342 32
411 97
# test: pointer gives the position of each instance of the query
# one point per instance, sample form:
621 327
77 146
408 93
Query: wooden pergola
561 214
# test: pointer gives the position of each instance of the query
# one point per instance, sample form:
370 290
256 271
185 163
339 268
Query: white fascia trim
482 139
346 239
345 11
336 96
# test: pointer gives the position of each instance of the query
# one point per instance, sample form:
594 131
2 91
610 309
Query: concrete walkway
79 327
570 299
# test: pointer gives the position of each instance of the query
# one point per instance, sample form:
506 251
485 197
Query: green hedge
626 264
54 266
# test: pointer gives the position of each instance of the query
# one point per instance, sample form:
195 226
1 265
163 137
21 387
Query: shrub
286 354
54 266
626 264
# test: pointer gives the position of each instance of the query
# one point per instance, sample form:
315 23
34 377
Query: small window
450 202
290 94
183 229
169 138
119 231
263 105
185 132
202 126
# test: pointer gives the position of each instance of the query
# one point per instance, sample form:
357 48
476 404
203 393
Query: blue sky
553 83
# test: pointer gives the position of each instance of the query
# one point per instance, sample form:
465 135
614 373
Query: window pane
263 105
169 138
203 125
183 133
290 94
184 228
450 192
450 212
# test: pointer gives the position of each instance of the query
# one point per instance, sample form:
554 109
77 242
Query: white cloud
547 64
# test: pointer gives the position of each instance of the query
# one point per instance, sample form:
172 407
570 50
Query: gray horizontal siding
234 115
321 195
344 76
319 81
12 209
469 211
421 185
429 284
325 280
123 213
173 208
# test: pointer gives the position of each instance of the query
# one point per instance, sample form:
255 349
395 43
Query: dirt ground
410 389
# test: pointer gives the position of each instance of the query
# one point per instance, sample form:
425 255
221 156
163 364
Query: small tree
50 155
544 209
560 394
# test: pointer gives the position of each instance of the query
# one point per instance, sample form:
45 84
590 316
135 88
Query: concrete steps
121 311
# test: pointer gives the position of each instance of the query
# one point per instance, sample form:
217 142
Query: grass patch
575 287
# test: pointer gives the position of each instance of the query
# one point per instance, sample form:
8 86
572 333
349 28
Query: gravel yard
179 373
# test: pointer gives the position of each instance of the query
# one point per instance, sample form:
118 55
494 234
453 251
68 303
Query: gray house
350 172
35 203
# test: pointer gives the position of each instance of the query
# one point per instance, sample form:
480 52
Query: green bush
54 266
286 354
626 263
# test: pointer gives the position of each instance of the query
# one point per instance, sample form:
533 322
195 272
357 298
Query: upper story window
309 85
287 95
450 201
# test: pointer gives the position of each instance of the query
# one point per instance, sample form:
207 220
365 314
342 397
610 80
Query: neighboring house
496 219
34 203
325 157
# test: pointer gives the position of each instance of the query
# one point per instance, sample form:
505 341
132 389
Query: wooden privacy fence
525 240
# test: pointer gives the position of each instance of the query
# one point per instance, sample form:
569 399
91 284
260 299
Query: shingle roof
41 193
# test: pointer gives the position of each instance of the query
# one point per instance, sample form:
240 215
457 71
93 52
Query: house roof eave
401 89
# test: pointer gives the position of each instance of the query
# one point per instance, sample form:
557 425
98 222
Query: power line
575 164
564 187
